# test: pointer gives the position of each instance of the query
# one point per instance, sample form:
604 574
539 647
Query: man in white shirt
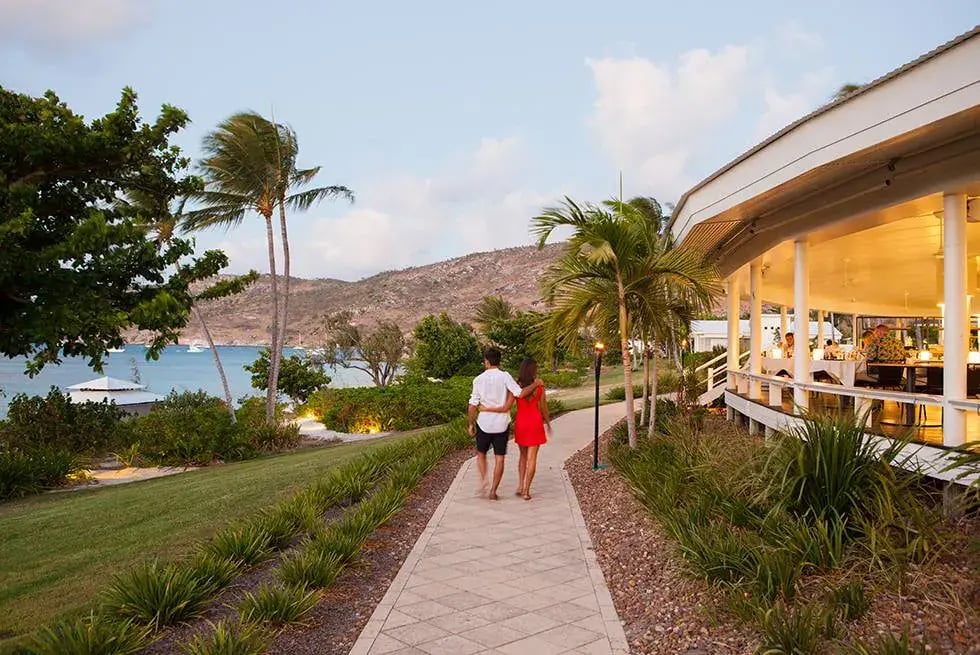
490 389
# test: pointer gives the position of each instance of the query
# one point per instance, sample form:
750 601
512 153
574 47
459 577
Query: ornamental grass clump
246 544
94 634
312 568
278 605
157 595
230 638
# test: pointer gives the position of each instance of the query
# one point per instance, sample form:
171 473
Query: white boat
299 349
193 348
115 350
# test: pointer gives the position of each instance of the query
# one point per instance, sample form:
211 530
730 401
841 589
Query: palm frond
305 199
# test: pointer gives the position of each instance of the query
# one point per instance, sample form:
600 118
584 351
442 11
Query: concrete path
510 576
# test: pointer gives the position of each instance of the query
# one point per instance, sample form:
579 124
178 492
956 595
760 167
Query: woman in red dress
529 426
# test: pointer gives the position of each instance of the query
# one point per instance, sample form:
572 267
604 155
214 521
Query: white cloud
47 25
651 117
478 202
785 106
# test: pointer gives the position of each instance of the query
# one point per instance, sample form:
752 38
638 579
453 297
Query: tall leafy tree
250 166
444 347
76 269
376 352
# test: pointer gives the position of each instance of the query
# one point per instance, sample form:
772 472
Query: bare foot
481 490
520 492
527 496
493 496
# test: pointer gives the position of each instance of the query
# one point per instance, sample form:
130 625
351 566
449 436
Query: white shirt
490 388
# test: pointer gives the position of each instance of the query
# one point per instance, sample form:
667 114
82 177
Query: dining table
843 370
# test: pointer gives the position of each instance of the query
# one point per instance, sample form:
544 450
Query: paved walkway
509 576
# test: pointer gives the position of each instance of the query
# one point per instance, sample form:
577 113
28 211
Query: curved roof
821 110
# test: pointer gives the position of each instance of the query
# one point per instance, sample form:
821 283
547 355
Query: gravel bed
663 612
335 623
666 612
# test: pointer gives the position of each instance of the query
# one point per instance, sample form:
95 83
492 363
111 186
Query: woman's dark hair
527 372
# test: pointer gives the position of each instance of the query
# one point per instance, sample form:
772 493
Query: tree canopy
376 352
298 378
77 269
444 348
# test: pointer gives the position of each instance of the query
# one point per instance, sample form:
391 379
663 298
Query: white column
801 317
820 320
755 327
783 324
955 317
733 324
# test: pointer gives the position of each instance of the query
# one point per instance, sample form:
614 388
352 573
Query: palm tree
845 90
619 274
250 166
491 309
599 262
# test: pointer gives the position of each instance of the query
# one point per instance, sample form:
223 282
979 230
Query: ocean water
175 369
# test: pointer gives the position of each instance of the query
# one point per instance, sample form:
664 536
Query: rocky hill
455 286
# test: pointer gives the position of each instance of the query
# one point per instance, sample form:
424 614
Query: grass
61 549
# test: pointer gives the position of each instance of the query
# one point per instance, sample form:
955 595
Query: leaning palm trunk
646 384
624 340
273 379
217 363
285 292
652 425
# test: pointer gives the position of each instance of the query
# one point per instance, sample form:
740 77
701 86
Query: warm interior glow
925 355
599 346
369 425
973 357
817 354
776 352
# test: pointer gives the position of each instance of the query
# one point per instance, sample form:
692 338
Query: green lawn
58 550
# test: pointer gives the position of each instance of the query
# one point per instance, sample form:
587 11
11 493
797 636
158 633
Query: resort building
866 207
131 397
706 335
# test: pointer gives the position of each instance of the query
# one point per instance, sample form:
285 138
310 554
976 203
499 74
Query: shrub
668 381
850 601
277 604
246 545
405 406
794 632
556 407
54 422
90 635
561 379
190 428
214 573
444 348
157 595
24 473
229 638
619 393
311 568
888 645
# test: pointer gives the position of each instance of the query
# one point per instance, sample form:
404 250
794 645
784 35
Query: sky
456 122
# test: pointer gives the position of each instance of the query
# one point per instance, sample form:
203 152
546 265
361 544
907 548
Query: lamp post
599 349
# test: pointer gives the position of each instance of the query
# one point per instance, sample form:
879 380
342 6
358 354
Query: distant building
706 335
129 396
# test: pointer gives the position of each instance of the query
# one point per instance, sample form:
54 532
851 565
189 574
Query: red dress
529 424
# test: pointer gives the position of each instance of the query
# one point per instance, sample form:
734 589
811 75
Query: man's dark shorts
496 439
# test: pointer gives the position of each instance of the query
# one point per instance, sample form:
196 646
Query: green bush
277 604
157 595
25 473
796 631
229 638
190 428
668 381
445 348
619 393
90 635
405 406
888 644
55 422
561 379
556 407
